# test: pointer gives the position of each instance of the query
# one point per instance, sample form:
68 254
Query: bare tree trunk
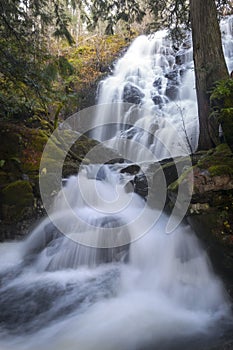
209 61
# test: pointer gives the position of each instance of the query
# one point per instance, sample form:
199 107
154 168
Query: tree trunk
209 62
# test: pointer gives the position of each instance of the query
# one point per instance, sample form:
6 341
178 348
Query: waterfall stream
160 79
141 288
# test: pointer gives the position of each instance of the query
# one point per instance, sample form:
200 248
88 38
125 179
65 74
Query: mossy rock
11 142
21 148
31 154
217 161
218 170
226 120
17 197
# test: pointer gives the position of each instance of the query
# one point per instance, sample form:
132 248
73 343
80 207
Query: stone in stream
132 94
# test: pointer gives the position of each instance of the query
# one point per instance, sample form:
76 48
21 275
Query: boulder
131 169
17 200
181 57
172 92
157 83
157 99
132 94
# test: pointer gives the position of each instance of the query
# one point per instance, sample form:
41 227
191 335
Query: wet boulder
157 83
158 100
181 57
172 92
132 169
132 94
172 89
173 75
141 185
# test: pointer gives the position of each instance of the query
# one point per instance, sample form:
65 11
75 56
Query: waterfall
100 272
227 36
159 78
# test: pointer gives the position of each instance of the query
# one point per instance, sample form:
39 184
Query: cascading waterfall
160 79
227 35
156 292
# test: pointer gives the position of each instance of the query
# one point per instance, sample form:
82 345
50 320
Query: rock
172 75
205 183
158 83
172 92
131 169
181 57
17 199
141 185
157 99
132 94
226 119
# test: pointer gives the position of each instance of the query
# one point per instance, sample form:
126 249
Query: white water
165 295
164 77
159 293
227 35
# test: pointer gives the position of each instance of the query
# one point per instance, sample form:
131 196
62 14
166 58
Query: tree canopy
26 64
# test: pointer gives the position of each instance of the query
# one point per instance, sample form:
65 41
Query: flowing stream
141 288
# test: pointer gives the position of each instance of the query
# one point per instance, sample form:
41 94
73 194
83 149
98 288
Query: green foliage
27 69
113 11
222 108
170 14
222 91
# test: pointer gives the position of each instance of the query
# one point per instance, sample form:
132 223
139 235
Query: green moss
220 157
18 193
217 170
10 144
40 141
17 198
36 141
222 148
174 186
226 120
